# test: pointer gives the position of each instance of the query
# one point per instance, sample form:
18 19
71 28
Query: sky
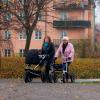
97 14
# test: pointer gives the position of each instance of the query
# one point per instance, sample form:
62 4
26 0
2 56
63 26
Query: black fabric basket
32 57
58 67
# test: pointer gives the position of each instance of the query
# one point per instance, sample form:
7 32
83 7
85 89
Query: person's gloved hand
55 58
69 58
47 56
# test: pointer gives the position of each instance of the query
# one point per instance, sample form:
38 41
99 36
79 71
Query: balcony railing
71 24
72 4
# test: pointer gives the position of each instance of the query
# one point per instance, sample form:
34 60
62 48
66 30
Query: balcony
71 24
71 5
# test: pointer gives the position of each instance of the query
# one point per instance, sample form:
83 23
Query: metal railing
71 24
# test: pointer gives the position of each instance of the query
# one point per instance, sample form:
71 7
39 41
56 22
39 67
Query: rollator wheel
64 78
72 78
55 78
27 77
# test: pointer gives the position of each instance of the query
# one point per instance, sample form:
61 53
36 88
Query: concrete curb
87 80
38 80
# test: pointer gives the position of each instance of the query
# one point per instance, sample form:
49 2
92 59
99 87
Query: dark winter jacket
48 49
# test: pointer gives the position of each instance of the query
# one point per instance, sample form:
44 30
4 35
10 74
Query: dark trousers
47 69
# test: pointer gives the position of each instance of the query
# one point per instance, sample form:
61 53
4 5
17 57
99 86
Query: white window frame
39 36
22 15
7 34
62 34
7 52
41 16
8 17
63 15
21 52
22 2
21 35
5 1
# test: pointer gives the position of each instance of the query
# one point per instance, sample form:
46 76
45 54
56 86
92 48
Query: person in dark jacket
49 50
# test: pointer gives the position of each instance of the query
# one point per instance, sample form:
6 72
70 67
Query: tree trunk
29 31
28 40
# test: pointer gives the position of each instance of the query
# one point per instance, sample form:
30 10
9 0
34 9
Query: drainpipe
93 27
46 20
0 58
0 51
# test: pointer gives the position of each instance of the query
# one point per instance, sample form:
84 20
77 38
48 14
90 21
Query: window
7 17
7 52
64 0
63 15
21 1
5 1
7 34
22 35
41 16
63 34
38 35
21 51
22 15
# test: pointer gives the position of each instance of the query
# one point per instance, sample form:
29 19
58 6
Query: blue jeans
65 67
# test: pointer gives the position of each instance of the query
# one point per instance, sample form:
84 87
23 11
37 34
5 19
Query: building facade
72 18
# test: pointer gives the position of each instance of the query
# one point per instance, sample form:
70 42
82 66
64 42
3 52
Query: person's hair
48 39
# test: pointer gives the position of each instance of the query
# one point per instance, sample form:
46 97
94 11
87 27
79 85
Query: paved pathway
11 89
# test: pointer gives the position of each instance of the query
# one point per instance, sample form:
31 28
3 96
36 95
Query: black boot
64 77
67 76
48 78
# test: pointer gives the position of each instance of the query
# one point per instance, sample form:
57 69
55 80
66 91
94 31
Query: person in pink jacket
66 52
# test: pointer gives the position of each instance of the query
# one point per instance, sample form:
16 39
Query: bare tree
25 15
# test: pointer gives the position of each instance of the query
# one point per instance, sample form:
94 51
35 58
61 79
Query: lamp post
0 51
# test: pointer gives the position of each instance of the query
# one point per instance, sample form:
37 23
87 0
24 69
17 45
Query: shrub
13 67
85 67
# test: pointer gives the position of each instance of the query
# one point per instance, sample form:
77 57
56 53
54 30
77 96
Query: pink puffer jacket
69 52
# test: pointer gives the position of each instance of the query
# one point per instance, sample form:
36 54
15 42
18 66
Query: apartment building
72 18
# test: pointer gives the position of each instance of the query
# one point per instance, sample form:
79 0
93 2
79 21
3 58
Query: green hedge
83 68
